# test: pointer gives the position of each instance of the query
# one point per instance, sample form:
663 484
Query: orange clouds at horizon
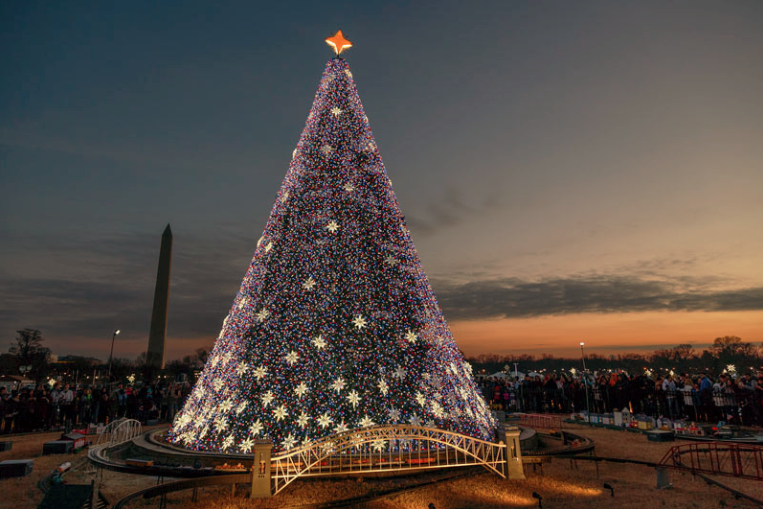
604 334
557 335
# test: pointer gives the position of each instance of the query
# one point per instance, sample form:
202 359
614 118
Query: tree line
724 353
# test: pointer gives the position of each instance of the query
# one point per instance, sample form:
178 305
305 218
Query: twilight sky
587 171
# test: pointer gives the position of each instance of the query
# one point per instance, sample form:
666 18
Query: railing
386 448
733 460
738 408
541 421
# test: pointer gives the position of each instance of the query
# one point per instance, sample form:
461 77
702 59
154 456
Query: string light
336 326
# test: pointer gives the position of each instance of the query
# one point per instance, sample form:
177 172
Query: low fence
738 408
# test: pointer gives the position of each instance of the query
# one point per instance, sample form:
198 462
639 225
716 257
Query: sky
570 171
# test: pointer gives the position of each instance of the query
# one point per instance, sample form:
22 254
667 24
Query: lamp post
585 381
111 355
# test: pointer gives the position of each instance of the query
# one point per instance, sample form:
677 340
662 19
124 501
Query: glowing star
338 384
437 410
267 398
415 421
225 406
359 322
399 373
227 442
268 247
280 413
242 302
410 336
292 358
262 315
319 342
286 194
383 387
309 284
391 261
336 111
241 407
301 389
378 445
340 428
303 420
221 424
353 398
241 369
338 42
333 226
366 422
294 153
256 428
394 414
430 424
420 399
246 445
327 149
348 73
260 373
217 385
349 188
324 420
289 442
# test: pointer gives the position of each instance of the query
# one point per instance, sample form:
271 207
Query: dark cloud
87 287
449 210
516 298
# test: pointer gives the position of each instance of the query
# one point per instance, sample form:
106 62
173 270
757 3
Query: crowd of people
737 400
66 407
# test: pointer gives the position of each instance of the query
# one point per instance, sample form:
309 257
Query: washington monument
155 354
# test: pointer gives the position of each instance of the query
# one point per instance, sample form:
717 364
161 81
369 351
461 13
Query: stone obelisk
155 354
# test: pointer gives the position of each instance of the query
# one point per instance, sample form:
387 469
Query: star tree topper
338 42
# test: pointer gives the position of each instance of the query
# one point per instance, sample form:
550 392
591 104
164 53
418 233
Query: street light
585 382
113 337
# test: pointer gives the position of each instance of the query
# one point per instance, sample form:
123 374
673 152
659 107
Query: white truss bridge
386 449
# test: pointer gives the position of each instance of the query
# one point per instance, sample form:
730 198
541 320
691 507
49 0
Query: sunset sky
570 171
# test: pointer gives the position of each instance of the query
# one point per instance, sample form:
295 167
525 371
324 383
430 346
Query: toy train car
140 463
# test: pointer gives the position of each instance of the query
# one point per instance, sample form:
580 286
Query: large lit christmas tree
335 327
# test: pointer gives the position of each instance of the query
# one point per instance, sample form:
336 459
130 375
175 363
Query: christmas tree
335 326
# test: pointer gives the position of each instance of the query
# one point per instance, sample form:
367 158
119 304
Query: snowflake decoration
301 389
319 342
353 398
280 413
338 384
256 428
309 284
410 336
262 315
333 226
324 420
246 445
336 111
292 358
359 322
289 442
267 398
383 387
